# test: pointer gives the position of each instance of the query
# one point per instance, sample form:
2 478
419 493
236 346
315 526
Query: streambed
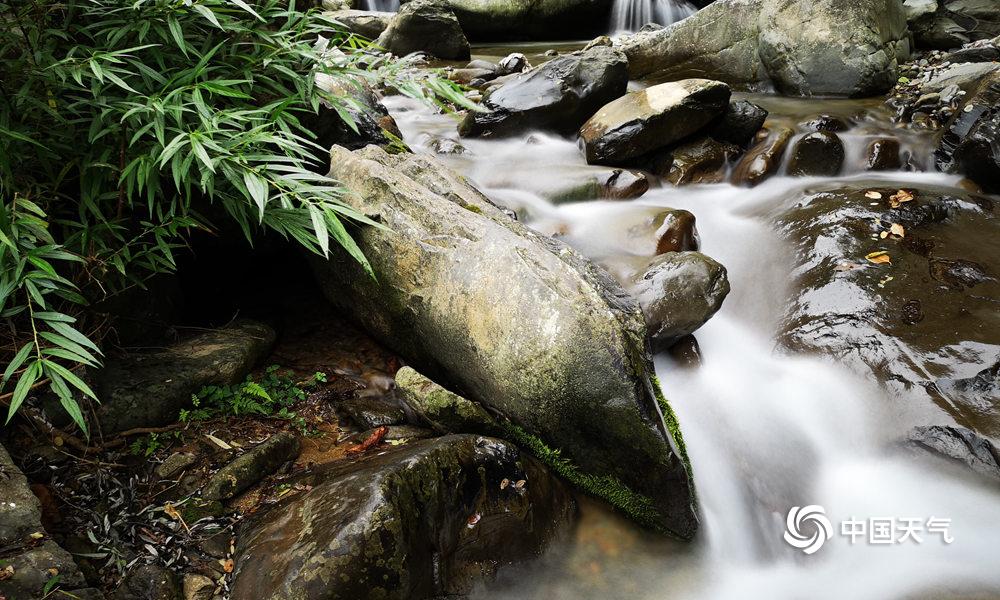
767 428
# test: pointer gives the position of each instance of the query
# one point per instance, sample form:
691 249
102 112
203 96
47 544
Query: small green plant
273 396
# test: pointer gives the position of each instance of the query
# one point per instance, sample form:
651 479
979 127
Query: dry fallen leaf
36 535
504 483
897 230
221 444
173 514
879 258
520 484
900 197
883 235
873 195
473 519
6 572
373 440
227 565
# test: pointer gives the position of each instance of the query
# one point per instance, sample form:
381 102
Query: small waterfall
380 5
630 15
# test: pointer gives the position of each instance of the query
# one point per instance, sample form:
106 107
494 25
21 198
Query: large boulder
425 26
801 47
959 445
970 144
366 23
945 24
532 19
559 95
640 122
921 318
427 518
514 320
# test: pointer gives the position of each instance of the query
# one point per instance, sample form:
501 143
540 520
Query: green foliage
148 445
273 396
123 123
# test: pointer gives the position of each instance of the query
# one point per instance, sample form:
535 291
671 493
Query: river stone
559 95
960 445
372 411
428 518
657 116
679 292
970 144
425 26
739 124
820 153
515 62
883 155
443 410
149 389
256 464
928 317
32 570
801 47
366 23
763 159
702 161
624 184
519 322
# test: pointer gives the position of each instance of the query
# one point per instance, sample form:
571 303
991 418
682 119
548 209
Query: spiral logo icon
812 518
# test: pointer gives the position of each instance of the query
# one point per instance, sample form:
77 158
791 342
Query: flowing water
380 5
631 15
766 430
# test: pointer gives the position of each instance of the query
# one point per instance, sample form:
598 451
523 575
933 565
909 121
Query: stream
766 429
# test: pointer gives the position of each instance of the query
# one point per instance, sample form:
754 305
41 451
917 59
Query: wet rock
980 54
971 143
515 62
827 123
623 184
739 124
558 346
149 389
366 23
678 293
466 76
763 159
149 582
428 518
820 153
967 77
425 26
251 467
686 352
442 145
371 411
945 24
174 464
20 510
883 155
559 95
653 231
658 116
701 161
443 410
911 323
980 391
803 47
960 445
198 587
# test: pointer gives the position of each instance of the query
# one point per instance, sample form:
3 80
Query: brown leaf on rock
897 230
873 195
227 565
879 258
900 197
